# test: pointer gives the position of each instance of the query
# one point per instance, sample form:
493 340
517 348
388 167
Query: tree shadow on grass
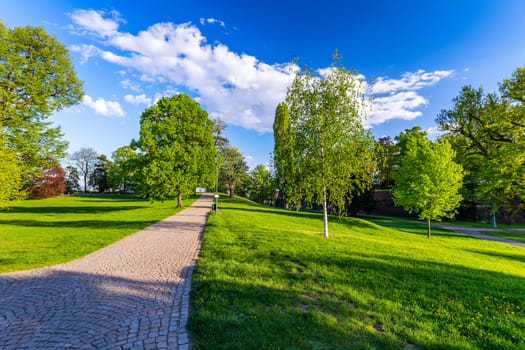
86 224
73 209
516 257
56 309
414 228
316 311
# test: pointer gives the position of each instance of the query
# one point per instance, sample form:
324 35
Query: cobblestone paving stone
133 294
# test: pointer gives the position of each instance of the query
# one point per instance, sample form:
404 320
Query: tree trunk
232 189
179 197
85 183
428 227
325 213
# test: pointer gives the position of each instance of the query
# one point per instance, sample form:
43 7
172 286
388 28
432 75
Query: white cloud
409 81
138 99
93 22
129 84
434 132
238 88
103 107
397 106
86 51
203 21
399 98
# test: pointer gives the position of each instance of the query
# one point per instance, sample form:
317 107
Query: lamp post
216 183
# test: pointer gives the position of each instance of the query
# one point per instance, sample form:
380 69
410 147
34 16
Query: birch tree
333 154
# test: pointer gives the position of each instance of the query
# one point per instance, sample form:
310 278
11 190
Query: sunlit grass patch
44 232
268 279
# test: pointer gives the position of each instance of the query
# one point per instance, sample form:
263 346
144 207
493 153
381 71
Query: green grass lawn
45 232
268 279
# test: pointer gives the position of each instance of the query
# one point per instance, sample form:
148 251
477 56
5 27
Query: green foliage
72 179
10 178
487 131
283 157
332 153
122 175
177 148
38 233
263 281
37 75
261 185
428 179
385 155
36 79
233 172
99 178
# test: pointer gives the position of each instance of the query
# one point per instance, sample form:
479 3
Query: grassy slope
45 232
267 279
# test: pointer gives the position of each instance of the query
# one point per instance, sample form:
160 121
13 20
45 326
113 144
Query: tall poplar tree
283 156
177 148
333 154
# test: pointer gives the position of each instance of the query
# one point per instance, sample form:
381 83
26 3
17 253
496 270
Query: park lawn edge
44 232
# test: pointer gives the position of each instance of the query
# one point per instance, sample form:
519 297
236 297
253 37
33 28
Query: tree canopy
177 148
283 156
234 170
428 180
487 131
10 177
37 78
332 153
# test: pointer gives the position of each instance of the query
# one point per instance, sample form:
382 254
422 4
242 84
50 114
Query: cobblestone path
133 294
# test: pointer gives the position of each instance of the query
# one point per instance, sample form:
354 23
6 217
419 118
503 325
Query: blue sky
234 58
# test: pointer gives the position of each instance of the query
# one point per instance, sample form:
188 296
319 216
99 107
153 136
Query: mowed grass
509 233
268 279
38 233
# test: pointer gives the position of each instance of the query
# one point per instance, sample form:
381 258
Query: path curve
475 232
133 294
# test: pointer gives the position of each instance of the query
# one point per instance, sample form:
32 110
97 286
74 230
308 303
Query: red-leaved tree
49 184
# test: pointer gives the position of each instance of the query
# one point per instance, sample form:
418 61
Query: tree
333 154
234 171
283 156
72 179
85 159
99 178
486 130
386 155
10 177
428 180
261 184
50 183
177 145
122 174
219 140
37 78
